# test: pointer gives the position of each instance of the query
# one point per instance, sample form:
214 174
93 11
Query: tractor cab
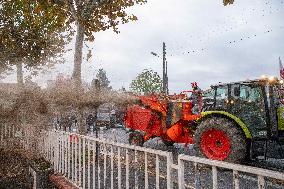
255 107
257 103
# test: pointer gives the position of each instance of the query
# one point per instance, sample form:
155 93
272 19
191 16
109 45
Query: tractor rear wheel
136 138
220 139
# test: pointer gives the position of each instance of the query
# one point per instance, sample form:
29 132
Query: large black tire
136 138
237 150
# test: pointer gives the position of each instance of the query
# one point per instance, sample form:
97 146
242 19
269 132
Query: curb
61 182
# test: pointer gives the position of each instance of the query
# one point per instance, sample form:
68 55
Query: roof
255 81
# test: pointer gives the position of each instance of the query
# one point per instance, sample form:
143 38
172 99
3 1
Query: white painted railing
96 163
6 132
237 172
10 133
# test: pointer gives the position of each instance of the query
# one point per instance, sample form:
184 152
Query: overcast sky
206 42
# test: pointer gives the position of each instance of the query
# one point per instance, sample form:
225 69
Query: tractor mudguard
230 116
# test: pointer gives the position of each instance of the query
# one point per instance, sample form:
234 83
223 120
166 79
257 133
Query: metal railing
237 172
95 163
91 162
11 134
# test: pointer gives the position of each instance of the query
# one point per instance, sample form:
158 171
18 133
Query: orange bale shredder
170 118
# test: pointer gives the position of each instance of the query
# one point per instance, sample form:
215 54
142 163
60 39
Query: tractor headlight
263 76
271 78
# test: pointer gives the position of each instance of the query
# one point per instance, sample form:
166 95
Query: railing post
214 177
68 155
157 171
89 165
127 169
105 156
180 173
169 170
54 151
1 135
146 170
49 146
197 176
60 152
72 157
98 147
57 152
84 163
113 136
119 167
135 170
236 183
260 182
94 163
80 158
76 160
111 166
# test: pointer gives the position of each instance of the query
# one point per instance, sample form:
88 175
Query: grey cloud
205 27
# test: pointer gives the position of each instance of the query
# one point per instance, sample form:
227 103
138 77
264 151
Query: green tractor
242 121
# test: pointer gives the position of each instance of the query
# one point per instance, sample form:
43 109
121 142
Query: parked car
106 115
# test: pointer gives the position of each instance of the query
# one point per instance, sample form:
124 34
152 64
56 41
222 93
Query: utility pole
165 71
165 87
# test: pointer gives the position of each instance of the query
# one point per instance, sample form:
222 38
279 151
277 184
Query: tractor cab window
208 99
250 93
221 96
208 94
247 103
251 99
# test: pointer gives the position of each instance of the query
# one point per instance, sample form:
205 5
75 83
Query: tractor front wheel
220 139
136 138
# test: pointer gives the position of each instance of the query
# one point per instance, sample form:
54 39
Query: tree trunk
20 77
77 74
81 121
78 55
